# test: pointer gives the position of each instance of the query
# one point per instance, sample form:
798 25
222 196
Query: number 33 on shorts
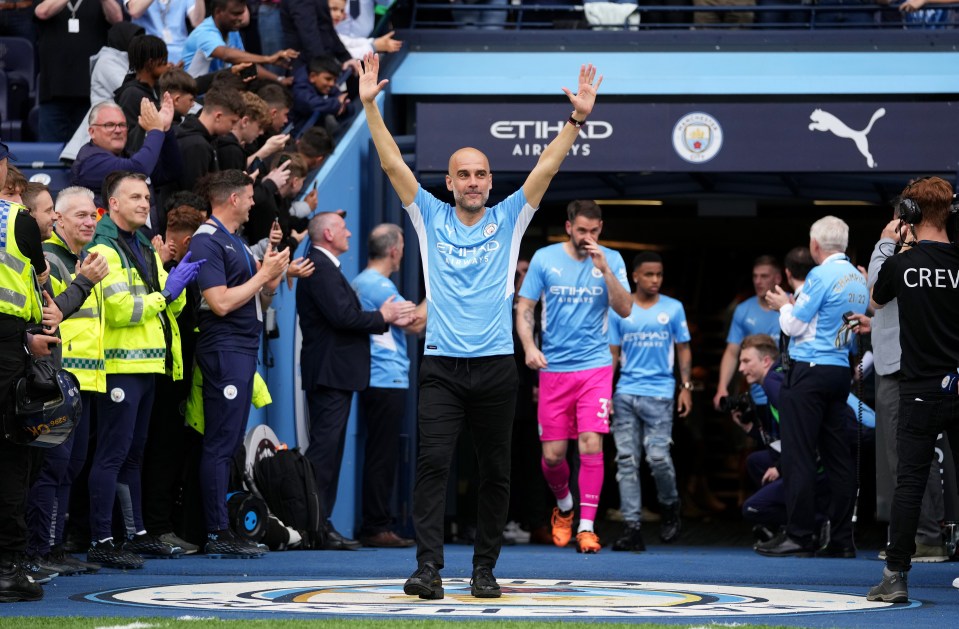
603 408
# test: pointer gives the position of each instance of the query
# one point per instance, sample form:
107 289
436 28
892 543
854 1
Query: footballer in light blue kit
646 344
579 282
468 374
753 316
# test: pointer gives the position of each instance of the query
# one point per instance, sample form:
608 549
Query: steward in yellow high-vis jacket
75 286
21 258
141 338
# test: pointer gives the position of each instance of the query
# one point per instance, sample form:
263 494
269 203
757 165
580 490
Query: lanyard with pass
73 23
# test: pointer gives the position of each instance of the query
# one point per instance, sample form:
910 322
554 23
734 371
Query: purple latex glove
182 274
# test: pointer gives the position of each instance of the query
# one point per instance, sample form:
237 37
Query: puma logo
825 121
558 272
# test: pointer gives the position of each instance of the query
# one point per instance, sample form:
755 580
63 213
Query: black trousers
920 422
812 408
169 444
382 413
15 460
329 413
480 393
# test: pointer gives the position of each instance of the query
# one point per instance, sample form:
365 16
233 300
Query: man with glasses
158 158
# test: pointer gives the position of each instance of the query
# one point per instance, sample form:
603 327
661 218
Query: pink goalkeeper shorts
574 402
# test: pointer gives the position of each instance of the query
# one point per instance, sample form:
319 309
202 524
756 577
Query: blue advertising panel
697 137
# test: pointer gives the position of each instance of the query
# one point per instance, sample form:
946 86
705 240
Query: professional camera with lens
742 403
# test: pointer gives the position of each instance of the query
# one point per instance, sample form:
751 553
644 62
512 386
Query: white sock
585 525
565 504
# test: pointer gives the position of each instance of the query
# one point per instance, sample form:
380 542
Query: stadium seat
40 161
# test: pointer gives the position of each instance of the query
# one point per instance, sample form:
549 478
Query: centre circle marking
522 598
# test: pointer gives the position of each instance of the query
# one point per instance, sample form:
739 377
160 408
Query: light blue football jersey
831 289
389 362
750 318
647 353
468 272
575 306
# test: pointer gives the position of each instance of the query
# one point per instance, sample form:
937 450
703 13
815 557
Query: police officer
814 394
141 338
78 296
234 294
924 279
21 258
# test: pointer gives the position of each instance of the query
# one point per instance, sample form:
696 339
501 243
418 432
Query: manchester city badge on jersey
596 272
663 318
490 229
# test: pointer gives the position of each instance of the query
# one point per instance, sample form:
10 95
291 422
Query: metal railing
518 16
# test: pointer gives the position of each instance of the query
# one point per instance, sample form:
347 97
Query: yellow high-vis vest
82 332
20 295
140 333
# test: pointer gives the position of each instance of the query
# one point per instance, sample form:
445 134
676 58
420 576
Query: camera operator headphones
910 213
907 209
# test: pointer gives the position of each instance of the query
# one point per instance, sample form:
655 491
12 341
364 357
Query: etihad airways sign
697 137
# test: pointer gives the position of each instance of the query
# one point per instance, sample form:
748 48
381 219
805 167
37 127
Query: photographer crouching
759 364
814 395
922 273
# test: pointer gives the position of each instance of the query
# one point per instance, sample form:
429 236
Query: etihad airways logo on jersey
467 256
644 336
576 291
447 249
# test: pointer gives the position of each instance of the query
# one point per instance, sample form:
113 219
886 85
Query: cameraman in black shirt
924 277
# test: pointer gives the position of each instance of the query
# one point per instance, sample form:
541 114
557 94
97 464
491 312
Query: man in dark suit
335 356
308 27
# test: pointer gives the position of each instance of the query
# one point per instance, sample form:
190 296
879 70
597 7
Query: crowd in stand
284 43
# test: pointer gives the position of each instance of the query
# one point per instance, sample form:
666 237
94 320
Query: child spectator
182 88
148 60
230 146
359 46
316 97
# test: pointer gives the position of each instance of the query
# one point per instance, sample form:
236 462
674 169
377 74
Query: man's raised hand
149 117
166 111
275 263
370 85
596 254
94 267
585 96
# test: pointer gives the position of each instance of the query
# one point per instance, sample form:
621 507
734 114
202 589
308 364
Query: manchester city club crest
522 598
697 137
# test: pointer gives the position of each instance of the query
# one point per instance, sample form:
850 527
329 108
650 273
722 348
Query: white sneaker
515 534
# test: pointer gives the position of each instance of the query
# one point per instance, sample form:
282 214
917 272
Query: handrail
517 18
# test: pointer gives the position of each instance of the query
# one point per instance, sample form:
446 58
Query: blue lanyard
239 243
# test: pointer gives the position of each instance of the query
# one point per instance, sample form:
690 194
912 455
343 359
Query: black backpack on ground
287 483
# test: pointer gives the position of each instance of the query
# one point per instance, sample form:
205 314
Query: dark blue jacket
158 158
